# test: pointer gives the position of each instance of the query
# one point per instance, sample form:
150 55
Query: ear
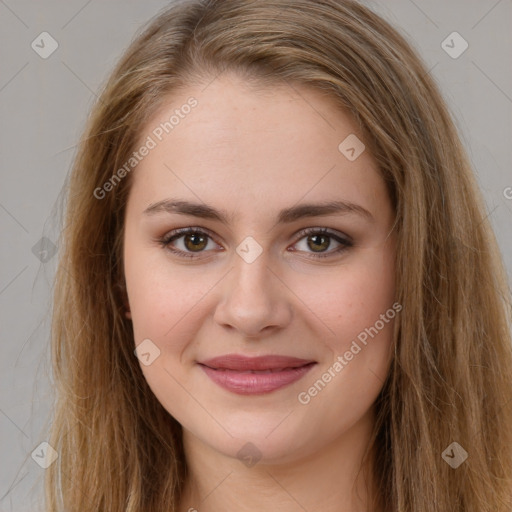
121 287
127 312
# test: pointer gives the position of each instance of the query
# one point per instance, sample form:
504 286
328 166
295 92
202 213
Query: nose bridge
251 262
251 279
253 298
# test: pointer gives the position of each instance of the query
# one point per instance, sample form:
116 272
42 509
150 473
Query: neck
328 479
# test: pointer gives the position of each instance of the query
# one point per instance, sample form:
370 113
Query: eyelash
179 233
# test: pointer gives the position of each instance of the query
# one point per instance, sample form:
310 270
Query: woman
279 287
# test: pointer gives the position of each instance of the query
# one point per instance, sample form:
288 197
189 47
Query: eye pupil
316 239
198 241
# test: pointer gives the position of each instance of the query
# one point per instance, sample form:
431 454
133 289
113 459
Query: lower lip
255 383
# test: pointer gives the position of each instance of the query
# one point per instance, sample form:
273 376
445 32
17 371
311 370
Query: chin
256 443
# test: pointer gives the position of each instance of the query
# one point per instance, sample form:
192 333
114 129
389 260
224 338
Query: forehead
247 144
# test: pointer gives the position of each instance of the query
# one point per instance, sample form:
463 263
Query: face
251 271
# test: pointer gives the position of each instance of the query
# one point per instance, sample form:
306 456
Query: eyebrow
287 215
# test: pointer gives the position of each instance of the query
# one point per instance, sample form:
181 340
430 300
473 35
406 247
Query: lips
255 375
268 363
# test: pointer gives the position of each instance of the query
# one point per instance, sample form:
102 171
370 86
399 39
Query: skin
252 153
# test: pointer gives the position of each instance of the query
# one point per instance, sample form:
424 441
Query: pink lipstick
255 375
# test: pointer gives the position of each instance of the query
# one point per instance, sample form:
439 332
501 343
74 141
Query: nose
255 301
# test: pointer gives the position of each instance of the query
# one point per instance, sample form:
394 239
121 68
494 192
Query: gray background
43 106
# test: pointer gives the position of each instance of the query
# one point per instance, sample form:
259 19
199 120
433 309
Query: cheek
353 298
159 291
161 303
166 309
358 305
346 301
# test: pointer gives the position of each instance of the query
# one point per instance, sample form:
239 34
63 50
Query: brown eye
195 241
187 242
316 241
319 243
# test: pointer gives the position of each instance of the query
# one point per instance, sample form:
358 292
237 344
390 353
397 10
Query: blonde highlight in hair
451 375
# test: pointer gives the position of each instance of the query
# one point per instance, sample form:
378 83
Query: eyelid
344 240
325 231
175 234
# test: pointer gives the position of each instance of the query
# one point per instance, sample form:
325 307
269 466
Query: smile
255 375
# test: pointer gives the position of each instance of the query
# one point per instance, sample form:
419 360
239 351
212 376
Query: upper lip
243 363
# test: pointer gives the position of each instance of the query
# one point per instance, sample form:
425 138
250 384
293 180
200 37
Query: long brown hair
451 375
